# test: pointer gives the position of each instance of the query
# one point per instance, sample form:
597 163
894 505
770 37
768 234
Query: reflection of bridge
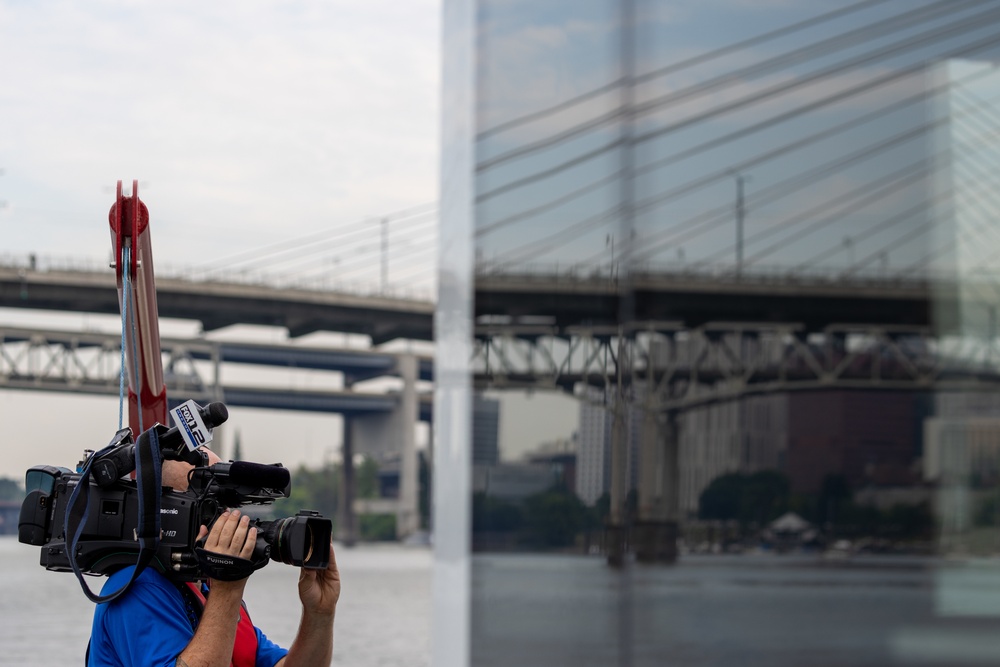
695 298
795 335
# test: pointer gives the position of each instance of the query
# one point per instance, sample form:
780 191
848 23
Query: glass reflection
735 322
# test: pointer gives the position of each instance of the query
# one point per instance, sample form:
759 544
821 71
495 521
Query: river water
383 619
545 610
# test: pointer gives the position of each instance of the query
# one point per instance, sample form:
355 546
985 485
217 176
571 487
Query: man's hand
319 590
231 535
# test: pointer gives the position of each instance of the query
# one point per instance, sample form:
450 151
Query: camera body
108 541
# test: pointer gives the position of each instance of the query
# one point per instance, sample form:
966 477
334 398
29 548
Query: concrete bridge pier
656 529
347 531
616 532
394 433
408 510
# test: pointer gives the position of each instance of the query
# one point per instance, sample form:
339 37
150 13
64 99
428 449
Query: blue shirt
149 625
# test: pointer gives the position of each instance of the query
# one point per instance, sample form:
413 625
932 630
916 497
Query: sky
252 125
246 124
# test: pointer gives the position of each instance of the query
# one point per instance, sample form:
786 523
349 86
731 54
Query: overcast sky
245 123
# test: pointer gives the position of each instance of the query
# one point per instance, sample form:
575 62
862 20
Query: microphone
121 461
236 483
259 475
172 442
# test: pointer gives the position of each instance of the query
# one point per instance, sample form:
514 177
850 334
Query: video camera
102 512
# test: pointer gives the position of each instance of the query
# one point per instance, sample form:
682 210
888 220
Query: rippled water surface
546 610
383 619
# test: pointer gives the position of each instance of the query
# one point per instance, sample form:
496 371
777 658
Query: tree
554 518
721 498
424 496
377 527
490 514
10 489
833 498
367 476
315 489
765 497
755 498
237 447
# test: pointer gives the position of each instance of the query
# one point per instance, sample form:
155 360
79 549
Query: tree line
751 501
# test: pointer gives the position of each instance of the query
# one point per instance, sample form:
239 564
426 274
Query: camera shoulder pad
223 567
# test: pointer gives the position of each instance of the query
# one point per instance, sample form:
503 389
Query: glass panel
735 324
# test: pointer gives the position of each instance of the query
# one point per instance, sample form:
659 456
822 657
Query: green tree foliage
10 489
314 489
237 447
377 527
834 496
987 512
551 519
910 521
424 492
721 498
756 498
554 518
493 515
366 476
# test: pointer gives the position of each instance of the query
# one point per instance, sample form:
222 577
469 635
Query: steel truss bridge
90 363
720 361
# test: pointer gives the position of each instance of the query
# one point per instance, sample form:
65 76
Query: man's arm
319 591
212 644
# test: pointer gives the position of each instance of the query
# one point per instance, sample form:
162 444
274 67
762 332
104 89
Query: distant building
562 465
741 436
485 431
872 438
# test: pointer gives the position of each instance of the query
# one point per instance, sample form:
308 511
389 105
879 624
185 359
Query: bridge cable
357 236
656 200
811 51
719 141
684 64
907 44
337 232
877 148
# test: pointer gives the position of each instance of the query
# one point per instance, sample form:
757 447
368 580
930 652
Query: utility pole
740 214
385 256
849 245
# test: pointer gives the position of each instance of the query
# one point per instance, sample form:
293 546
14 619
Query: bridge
28 284
534 330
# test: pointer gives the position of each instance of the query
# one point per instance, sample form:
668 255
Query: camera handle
148 464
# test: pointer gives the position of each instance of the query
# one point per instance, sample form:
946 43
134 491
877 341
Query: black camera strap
149 473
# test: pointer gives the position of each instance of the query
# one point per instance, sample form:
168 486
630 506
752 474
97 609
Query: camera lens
302 540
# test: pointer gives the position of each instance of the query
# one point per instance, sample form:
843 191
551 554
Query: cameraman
158 622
